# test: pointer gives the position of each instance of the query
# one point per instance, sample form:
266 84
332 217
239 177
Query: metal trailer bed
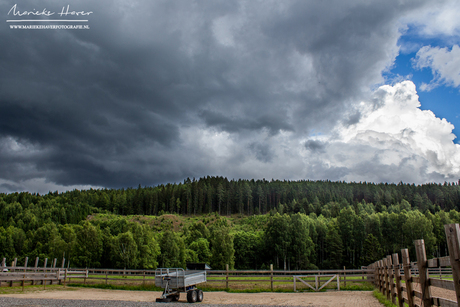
176 280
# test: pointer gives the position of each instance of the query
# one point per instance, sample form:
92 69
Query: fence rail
226 278
216 278
389 274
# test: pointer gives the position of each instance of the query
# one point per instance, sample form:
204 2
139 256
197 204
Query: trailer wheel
191 296
199 296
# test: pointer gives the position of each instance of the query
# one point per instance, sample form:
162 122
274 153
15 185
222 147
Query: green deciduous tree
333 246
202 250
172 249
372 249
278 237
195 231
221 241
126 250
248 249
89 245
416 227
301 246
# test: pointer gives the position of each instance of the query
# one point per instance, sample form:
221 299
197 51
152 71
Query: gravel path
98 297
23 302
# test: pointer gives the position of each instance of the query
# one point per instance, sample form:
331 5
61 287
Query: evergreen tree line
226 197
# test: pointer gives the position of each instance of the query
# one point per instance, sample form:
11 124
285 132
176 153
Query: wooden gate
317 286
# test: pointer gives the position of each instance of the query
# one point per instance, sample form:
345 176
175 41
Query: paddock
316 299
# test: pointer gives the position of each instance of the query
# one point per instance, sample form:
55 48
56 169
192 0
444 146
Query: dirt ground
342 298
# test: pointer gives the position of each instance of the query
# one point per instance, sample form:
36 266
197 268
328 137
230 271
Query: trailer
177 280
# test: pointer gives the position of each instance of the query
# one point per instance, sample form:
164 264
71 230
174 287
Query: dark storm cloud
12 187
315 146
111 106
262 152
271 122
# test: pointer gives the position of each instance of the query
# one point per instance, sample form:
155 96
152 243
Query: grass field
236 283
383 300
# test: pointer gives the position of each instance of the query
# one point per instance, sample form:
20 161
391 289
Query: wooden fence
267 279
37 275
276 278
389 274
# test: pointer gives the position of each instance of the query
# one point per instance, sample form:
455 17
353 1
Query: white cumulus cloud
394 140
438 19
444 63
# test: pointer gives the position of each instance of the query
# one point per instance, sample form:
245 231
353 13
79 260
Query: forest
248 224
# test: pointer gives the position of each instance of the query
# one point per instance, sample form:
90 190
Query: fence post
271 276
391 277
407 276
344 276
226 276
379 280
398 279
35 269
386 282
54 266
65 277
13 264
453 243
24 277
382 275
376 273
338 283
44 267
423 272
3 265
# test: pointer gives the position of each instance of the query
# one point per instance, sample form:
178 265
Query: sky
151 92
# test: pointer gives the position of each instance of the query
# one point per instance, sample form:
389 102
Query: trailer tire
199 296
192 296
